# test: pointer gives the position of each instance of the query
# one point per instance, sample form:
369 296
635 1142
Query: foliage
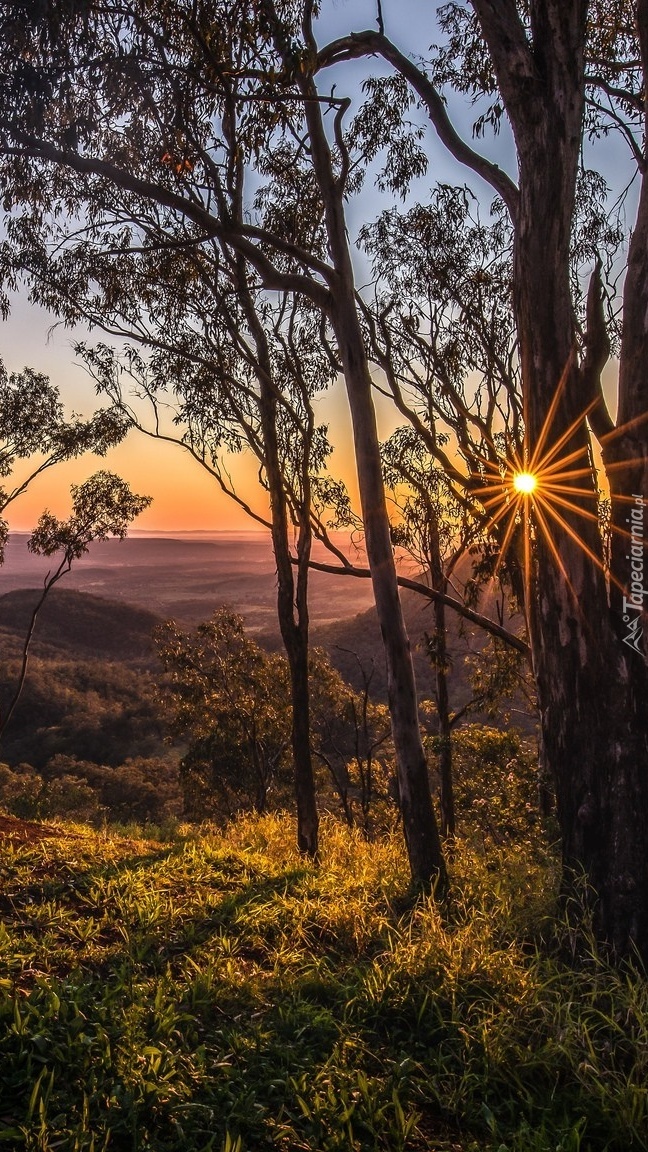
102 508
351 737
32 424
144 791
100 712
222 993
496 785
231 701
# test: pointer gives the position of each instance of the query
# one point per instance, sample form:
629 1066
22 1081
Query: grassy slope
222 994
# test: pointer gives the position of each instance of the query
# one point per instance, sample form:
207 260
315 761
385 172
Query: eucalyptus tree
127 131
33 429
34 433
242 377
555 70
229 702
134 99
429 530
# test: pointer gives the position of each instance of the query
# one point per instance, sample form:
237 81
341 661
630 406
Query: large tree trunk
591 687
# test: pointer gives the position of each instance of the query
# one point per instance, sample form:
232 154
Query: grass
220 993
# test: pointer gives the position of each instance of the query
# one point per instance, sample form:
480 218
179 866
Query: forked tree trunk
292 602
591 686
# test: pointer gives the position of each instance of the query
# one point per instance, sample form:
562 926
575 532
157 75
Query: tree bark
294 633
419 822
438 580
446 792
591 687
292 603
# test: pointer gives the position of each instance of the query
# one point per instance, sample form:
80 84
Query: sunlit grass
222 993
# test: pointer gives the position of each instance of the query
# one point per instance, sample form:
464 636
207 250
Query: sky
185 498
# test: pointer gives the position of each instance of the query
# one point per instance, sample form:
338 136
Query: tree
430 531
245 380
351 738
159 153
156 149
230 700
102 507
588 655
32 424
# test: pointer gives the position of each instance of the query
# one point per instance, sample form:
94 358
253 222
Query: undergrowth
221 993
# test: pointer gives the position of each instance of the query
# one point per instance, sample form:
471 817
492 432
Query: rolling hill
79 626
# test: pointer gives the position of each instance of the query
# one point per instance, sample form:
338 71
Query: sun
535 487
525 482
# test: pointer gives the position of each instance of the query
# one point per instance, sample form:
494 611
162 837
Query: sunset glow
535 489
525 482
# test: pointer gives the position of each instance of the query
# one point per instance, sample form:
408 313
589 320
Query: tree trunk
292 604
419 823
294 634
446 794
591 688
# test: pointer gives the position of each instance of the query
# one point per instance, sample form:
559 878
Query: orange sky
185 498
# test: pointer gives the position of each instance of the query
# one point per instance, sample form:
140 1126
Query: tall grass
220 993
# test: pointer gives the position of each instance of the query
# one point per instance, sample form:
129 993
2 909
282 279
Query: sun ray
623 428
577 539
505 510
551 412
510 529
543 487
563 439
563 461
552 548
568 474
571 507
570 489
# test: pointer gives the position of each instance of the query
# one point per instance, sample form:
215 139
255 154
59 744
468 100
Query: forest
333 896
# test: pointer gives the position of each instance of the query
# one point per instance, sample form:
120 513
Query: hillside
90 688
222 993
77 625
93 669
185 578
355 648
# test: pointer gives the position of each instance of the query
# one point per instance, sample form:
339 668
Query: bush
496 783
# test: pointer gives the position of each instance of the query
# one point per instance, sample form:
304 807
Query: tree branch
272 277
371 43
415 586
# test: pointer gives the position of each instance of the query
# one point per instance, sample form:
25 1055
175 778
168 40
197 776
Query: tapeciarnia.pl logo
633 603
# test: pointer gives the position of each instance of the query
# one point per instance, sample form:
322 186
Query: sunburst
538 490
525 482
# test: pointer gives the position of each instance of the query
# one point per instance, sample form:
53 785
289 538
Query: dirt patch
27 831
